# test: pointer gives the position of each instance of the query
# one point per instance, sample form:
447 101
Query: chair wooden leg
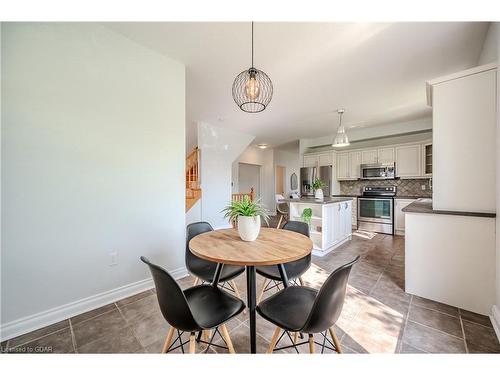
311 343
168 341
279 222
301 280
265 283
295 336
196 281
206 335
226 336
335 340
192 343
236 291
274 340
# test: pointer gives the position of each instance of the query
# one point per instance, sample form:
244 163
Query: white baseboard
495 320
321 253
45 318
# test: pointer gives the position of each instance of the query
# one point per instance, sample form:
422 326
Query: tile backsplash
411 187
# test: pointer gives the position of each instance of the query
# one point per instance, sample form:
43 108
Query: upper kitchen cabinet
343 166
354 164
325 159
385 155
369 156
408 161
427 159
310 160
464 122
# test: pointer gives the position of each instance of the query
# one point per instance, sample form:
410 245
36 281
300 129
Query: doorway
280 180
249 177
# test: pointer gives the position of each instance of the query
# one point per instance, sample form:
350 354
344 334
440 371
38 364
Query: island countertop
327 200
425 207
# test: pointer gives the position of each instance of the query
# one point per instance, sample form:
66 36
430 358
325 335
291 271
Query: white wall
249 177
497 303
489 53
264 158
290 159
93 157
219 147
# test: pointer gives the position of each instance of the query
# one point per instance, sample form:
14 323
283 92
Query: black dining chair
294 270
300 309
196 309
204 270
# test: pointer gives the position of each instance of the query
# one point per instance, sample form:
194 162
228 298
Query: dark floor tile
436 320
134 298
4 346
477 335
105 325
16 341
92 313
122 341
150 329
476 318
433 305
408 349
58 342
365 339
362 283
478 349
241 341
431 340
141 309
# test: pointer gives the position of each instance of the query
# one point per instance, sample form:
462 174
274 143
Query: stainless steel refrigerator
307 177
325 175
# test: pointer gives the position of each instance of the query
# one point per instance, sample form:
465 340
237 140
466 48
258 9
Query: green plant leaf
245 207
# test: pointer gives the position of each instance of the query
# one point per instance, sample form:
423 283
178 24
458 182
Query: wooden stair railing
193 191
240 196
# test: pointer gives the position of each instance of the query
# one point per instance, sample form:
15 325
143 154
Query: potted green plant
318 186
307 215
247 214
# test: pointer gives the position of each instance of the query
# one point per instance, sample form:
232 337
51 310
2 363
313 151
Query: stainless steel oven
376 209
378 171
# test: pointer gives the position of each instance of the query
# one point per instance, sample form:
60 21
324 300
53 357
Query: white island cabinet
330 222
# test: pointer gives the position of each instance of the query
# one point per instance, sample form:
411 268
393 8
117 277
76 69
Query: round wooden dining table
272 247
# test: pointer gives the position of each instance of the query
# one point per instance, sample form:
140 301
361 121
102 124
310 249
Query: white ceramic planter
318 194
248 227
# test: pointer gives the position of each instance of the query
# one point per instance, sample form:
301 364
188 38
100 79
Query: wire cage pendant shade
252 89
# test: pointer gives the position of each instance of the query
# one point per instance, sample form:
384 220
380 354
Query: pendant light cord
252 44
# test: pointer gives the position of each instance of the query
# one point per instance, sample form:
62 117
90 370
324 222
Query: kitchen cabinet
343 166
310 160
354 164
330 222
408 161
325 159
369 156
385 155
399 215
427 159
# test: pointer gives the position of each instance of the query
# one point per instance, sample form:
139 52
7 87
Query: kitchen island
330 222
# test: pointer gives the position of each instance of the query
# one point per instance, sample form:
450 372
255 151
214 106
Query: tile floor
378 316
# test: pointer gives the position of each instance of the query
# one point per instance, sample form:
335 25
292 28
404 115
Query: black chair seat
289 308
205 270
293 271
212 306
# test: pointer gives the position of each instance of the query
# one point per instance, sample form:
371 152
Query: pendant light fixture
252 89
341 139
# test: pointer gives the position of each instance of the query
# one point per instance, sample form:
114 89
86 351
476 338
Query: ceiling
376 71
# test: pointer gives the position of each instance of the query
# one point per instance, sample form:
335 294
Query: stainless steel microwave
378 171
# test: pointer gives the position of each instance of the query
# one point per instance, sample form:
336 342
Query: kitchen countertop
327 200
425 207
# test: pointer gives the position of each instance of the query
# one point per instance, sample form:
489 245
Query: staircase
193 191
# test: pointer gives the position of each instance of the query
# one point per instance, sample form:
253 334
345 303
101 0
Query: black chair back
330 300
192 230
173 303
301 264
